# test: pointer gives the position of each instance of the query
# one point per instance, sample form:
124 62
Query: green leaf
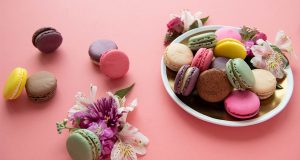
278 86
204 20
194 25
123 92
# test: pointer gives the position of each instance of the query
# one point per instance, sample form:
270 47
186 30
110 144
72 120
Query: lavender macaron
219 63
99 47
186 79
47 39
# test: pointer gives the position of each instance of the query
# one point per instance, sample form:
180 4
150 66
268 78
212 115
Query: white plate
206 117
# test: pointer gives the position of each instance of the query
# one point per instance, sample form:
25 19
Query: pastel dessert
185 80
83 144
47 39
242 104
99 47
177 55
265 83
205 40
202 59
15 83
41 86
227 32
230 48
239 74
114 64
213 85
219 63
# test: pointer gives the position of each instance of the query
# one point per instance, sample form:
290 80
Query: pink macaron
242 104
114 64
226 32
202 59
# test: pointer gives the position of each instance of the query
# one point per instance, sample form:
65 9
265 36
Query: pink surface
28 130
228 33
114 64
242 104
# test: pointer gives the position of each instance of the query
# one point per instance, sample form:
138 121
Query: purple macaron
99 47
186 79
47 39
219 63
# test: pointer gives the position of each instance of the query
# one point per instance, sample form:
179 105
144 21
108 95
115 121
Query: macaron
99 47
114 64
239 74
213 85
15 83
185 80
219 63
265 83
205 40
47 39
202 59
41 86
227 32
230 48
176 55
242 104
83 144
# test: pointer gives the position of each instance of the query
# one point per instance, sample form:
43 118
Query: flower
266 58
259 35
284 43
188 18
175 25
130 143
248 45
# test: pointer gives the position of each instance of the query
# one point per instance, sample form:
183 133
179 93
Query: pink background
27 129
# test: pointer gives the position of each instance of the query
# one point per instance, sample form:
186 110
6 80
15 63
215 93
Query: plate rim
249 122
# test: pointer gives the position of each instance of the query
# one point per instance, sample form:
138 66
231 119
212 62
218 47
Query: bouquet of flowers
106 117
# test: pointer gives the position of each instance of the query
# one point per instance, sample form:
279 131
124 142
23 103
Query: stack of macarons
113 62
212 65
40 86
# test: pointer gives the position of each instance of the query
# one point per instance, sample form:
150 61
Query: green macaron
83 144
206 40
239 74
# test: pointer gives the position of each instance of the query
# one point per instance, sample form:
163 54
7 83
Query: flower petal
132 136
284 43
123 151
187 18
93 91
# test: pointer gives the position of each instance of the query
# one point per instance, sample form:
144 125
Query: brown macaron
41 86
213 85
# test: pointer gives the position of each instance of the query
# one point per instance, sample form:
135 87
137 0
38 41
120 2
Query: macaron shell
99 47
114 64
242 104
226 32
15 83
219 63
83 144
39 31
243 73
202 59
48 41
41 86
177 55
230 48
189 81
213 85
230 75
265 83
179 78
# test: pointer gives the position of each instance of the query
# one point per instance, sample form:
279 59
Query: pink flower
259 35
175 25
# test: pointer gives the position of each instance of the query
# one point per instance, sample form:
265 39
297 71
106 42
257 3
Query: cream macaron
265 83
176 55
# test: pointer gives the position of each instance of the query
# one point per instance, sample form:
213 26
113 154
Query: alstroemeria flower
81 101
284 43
188 18
266 58
175 25
130 143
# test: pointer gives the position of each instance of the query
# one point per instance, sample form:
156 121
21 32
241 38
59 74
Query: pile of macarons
213 66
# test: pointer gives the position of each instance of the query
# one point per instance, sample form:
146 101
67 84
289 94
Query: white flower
188 18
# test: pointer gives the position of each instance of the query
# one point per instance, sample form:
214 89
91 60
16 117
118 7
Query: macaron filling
179 78
186 79
249 115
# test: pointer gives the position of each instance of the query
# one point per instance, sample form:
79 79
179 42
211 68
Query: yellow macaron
15 83
230 48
